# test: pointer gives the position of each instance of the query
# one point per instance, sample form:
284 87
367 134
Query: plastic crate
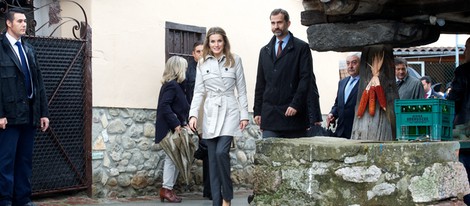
418 118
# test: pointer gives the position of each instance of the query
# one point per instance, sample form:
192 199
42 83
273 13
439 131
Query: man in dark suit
23 108
344 108
429 92
284 83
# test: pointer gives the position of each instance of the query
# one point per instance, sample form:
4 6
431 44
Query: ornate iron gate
59 161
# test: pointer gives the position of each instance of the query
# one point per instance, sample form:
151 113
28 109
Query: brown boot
166 194
177 197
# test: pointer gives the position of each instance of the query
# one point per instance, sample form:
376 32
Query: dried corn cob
379 90
372 101
363 103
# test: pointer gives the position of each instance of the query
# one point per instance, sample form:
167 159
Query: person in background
221 80
408 87
429 93
345 103
191 71
172 112
460 93
284 83
447 90
189 90
23 108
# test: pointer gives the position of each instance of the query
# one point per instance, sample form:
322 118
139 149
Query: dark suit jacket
172 109
460 93
344 112
14 102
190 79
284 82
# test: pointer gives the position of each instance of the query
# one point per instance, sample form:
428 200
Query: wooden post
380 127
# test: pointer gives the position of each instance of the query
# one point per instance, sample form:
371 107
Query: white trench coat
223 107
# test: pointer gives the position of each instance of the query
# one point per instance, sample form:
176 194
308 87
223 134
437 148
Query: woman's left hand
243 124
178 129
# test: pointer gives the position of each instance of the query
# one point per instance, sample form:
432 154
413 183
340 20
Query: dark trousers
219 169
206 178
16 154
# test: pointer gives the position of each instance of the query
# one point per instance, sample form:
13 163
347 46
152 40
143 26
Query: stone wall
127 163
335 171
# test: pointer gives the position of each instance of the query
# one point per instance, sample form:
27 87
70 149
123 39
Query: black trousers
206 192
219 169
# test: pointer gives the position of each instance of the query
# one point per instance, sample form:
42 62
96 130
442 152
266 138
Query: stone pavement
189 199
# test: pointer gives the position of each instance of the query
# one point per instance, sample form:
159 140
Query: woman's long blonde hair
175 68
207 50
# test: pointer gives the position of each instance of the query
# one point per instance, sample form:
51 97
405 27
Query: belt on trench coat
216 97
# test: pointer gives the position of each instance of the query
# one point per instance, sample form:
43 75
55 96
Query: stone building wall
126 161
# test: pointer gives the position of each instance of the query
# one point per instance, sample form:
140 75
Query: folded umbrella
180 149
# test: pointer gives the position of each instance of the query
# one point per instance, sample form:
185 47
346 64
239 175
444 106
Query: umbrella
436 87
413 73
180 149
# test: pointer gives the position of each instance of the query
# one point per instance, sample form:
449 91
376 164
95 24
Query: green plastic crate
418 118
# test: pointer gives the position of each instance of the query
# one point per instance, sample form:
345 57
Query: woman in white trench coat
220 79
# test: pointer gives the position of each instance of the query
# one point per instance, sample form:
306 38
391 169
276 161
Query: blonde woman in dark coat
172 110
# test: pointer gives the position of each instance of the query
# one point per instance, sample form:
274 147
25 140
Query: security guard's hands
44 123
3 123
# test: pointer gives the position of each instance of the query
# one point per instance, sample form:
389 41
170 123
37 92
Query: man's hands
290 112
44 123
330 119
3 123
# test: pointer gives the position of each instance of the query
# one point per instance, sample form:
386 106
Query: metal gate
60 154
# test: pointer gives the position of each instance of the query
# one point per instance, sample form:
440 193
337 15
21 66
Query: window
180 39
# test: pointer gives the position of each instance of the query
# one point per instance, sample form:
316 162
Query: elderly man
343 109
408 87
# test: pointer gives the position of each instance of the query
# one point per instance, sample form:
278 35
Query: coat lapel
10 52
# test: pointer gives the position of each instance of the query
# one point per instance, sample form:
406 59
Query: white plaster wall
129 36
129 44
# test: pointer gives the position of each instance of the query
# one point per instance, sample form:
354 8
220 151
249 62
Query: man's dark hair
10 14
400 60
197 44
280 11
426 78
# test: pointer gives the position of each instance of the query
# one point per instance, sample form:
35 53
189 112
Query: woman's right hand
193 123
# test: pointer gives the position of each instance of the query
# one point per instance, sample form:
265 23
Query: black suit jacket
285 82
172 109
14 102
344 111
